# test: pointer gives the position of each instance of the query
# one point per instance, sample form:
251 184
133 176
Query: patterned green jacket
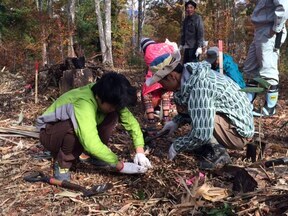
80 106
206 93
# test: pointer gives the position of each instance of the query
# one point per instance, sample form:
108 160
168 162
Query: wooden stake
36 82
220 45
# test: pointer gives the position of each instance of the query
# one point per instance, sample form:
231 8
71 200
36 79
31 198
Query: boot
214 156
270 104
61 173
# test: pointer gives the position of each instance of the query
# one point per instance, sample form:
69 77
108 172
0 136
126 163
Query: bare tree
71 25
105 32
133 4
50 8
39 6
140 20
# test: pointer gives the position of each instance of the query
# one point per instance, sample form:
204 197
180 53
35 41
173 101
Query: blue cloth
231 70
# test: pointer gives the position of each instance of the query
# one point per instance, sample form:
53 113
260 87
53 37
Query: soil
167 189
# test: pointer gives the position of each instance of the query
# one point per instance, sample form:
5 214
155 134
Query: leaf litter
170 188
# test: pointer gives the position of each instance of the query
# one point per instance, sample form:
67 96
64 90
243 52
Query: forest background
45 30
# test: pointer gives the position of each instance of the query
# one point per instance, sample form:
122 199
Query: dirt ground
170 188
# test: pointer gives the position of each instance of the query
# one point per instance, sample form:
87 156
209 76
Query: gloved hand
172 153
132 168
180 47
171 126
198 51
142 160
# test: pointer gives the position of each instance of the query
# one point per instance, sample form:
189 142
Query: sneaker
215 156
61 173
266 111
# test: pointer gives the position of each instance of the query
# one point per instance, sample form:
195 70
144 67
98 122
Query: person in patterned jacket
220 115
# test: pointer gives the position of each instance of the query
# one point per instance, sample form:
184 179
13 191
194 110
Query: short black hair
191 3
115 89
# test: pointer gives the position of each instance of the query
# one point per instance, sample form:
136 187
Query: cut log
75 78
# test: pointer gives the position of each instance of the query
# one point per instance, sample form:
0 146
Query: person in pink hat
154 95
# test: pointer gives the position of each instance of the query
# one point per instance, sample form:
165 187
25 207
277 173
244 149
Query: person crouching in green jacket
83 119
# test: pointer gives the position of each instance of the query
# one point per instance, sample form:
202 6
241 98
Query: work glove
171 126
172 153
142 160
198 51
132 168
180 47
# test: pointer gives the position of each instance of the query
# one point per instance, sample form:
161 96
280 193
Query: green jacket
80 106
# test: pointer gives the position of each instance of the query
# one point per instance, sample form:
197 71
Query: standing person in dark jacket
192 34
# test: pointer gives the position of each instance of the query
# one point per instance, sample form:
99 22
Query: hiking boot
215 156
271 99
61 173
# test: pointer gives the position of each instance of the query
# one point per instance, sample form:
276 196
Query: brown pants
60 139
226 134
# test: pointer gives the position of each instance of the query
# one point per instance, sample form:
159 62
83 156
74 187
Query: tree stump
75 78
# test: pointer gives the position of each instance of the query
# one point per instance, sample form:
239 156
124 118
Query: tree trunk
139 24
107 29
43 34
71 26
143 15
50 8
100 30
105 36
133 40
44 48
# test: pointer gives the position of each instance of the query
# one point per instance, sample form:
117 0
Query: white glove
171 126
198 51
132 168
142 160
172 153
180 47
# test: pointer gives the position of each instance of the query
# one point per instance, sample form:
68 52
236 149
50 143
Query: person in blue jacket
230 68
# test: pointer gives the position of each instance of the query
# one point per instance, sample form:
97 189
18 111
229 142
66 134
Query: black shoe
215 156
